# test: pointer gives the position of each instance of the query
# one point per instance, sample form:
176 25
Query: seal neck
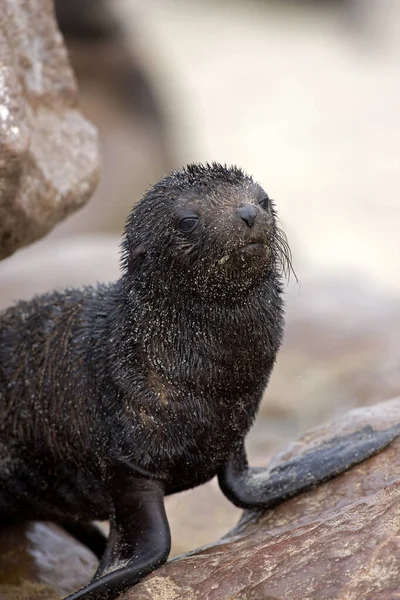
202 344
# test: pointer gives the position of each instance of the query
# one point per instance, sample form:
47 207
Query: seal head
209 230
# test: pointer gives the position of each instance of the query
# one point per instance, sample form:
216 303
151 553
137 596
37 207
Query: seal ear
135 258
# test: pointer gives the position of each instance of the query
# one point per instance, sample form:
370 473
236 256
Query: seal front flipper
139 539
250 487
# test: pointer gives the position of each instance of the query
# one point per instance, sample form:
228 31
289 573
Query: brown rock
27 591
340 541
41 561
48 151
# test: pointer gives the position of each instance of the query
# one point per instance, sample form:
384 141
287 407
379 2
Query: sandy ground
307 100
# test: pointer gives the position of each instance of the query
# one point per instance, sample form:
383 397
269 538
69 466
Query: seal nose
248 213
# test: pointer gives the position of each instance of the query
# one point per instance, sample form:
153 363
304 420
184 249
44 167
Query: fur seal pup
113 396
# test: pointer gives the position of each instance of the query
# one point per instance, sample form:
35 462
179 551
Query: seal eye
264 202
188 224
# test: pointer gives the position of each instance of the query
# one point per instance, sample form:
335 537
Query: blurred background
305 96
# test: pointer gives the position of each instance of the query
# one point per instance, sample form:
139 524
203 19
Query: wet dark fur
164 368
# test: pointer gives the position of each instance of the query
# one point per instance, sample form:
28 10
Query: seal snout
248 214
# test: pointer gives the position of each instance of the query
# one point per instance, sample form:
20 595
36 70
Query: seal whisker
284 254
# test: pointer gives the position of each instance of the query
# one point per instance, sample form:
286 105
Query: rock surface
340 541
48 151
41 561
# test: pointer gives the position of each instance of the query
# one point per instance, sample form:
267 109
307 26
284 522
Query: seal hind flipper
250 487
